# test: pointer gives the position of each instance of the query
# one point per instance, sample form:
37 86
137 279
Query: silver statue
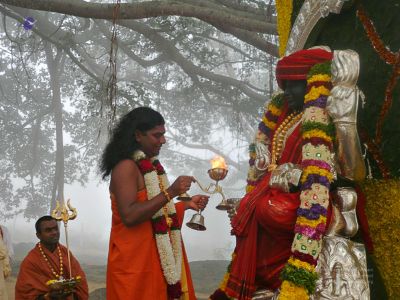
309 15
341 263
342 267
342 106
284 176
263 156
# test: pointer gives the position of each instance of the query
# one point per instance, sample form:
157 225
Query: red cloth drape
264 228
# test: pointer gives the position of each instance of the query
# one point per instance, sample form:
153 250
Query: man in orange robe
48 261
137 259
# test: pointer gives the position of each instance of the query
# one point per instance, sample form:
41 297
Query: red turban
296 66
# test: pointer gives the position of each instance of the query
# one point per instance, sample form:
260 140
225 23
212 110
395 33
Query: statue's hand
285 176
342 104
263 157
233 204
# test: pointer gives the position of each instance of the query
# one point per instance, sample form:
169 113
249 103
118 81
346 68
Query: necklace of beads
58 276
165 209
280 137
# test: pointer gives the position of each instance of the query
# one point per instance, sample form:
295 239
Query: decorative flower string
284 9
168 238
299 276
376 154
381 49
391 58
265 128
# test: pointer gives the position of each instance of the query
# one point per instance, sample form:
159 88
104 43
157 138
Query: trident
65 213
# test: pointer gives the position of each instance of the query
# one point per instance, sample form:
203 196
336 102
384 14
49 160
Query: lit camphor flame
218 162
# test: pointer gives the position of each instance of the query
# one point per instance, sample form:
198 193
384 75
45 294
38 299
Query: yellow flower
383 212
316 170
301 264
224 281
316 133
249 188
284 10
315 93
312 223
271 125
276 111
319 77
290 291
50 282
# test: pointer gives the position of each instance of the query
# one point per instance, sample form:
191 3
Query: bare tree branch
148 9
189 68
231 162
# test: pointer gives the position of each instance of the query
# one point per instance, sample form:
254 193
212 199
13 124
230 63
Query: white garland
169 246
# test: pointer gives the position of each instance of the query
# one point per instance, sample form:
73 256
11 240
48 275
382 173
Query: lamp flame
218 162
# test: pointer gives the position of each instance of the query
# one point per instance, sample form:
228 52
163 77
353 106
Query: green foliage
324 68
329 129
300 277
278 100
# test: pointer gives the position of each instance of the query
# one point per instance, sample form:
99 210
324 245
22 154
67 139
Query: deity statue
293 227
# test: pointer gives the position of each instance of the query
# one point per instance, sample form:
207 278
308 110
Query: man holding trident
48 262
146 258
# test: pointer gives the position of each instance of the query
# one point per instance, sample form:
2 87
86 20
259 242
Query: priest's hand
198 202
181 185
58 294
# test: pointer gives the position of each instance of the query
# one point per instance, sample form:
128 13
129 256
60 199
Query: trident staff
65 213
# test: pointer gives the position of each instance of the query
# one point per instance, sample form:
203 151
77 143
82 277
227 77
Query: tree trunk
55 67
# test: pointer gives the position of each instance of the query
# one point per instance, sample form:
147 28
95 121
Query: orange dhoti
134 267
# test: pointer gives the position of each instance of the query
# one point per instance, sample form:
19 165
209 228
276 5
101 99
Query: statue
297 209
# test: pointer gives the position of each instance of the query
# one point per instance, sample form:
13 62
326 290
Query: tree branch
147 9
189 68
229 161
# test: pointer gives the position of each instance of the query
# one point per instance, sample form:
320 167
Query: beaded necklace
168 219
58 276
280 137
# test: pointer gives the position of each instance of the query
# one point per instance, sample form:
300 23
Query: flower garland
284 9
389 57
165 223
376 154
265 128
299 276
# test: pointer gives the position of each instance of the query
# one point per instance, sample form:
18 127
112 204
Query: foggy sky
89 232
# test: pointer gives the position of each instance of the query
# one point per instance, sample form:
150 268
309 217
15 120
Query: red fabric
34 273
362 219
134 268
297 65
264 229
